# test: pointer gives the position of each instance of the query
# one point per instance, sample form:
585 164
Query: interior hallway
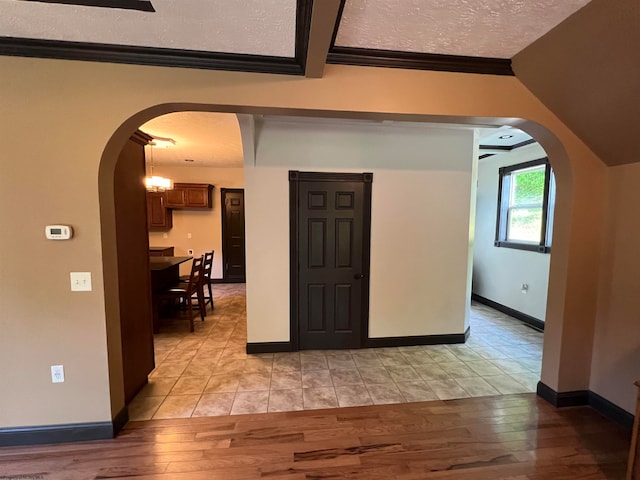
208 373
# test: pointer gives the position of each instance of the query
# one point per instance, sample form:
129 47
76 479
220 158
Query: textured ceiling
259 27
210 139
480 28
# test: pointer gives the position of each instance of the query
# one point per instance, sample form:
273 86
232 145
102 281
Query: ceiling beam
323 21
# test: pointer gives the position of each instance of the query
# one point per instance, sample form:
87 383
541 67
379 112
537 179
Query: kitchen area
159 234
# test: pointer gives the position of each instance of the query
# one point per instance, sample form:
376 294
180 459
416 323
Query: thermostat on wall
58 232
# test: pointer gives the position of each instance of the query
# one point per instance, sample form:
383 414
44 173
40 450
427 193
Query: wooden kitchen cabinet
190 195
159 216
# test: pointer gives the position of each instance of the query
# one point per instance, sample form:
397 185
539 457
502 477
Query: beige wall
63 125
616 349
205 226
419 248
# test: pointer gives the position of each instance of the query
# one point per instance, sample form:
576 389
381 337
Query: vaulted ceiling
579 57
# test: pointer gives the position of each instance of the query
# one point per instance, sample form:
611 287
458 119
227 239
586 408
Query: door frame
223 218
295 177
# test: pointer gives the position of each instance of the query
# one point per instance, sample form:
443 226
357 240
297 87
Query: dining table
165 272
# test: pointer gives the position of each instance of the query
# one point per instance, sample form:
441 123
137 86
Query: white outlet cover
80 281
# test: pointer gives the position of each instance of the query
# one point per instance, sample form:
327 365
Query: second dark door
333 229
233 252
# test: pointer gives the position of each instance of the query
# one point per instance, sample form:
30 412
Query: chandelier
156 183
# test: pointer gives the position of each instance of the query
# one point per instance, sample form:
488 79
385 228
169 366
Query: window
526 198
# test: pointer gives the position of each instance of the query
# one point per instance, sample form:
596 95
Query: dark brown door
332 256
233 234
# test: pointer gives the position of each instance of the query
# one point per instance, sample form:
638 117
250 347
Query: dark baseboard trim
75 432
611 410
523 317
120 420
227 280
563 399
269 347
584 398
418 340
370 57
276 347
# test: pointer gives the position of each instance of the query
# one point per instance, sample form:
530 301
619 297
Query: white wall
499 272
420 221
205 226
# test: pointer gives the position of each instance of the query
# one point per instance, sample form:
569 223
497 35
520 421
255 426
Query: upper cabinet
190 195
158 215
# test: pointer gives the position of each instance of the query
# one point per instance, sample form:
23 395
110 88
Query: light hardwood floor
208 373
509 437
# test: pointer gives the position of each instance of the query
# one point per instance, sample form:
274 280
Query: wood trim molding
523 317
409 341
140 138
269 347
75 432
169 57
163 57
418 61
140 5
508 148
586 397
304 10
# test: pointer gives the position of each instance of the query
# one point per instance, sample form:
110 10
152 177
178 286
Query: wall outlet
189 236
80 281
190 251
57 374
164 235
524 288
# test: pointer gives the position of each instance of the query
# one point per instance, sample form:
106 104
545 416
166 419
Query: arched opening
552 146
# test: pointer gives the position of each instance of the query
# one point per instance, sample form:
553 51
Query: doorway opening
290 360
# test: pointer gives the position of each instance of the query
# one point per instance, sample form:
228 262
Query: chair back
207 266
195 277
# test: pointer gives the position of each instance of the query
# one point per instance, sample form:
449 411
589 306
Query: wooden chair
184 292
205 280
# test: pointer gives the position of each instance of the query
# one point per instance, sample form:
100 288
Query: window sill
524 246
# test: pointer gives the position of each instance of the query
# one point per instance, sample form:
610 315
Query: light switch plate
80 281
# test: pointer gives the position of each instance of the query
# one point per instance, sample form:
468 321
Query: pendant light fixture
155 183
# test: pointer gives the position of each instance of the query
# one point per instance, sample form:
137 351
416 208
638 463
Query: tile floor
208 373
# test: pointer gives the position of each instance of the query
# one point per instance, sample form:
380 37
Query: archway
558 276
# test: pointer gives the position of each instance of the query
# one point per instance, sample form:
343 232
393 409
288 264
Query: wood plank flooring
515 437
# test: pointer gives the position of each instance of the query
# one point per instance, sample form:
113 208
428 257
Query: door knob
358 276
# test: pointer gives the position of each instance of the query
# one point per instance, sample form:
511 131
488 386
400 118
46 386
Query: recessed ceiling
478 28
209 139
257 27
505 137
